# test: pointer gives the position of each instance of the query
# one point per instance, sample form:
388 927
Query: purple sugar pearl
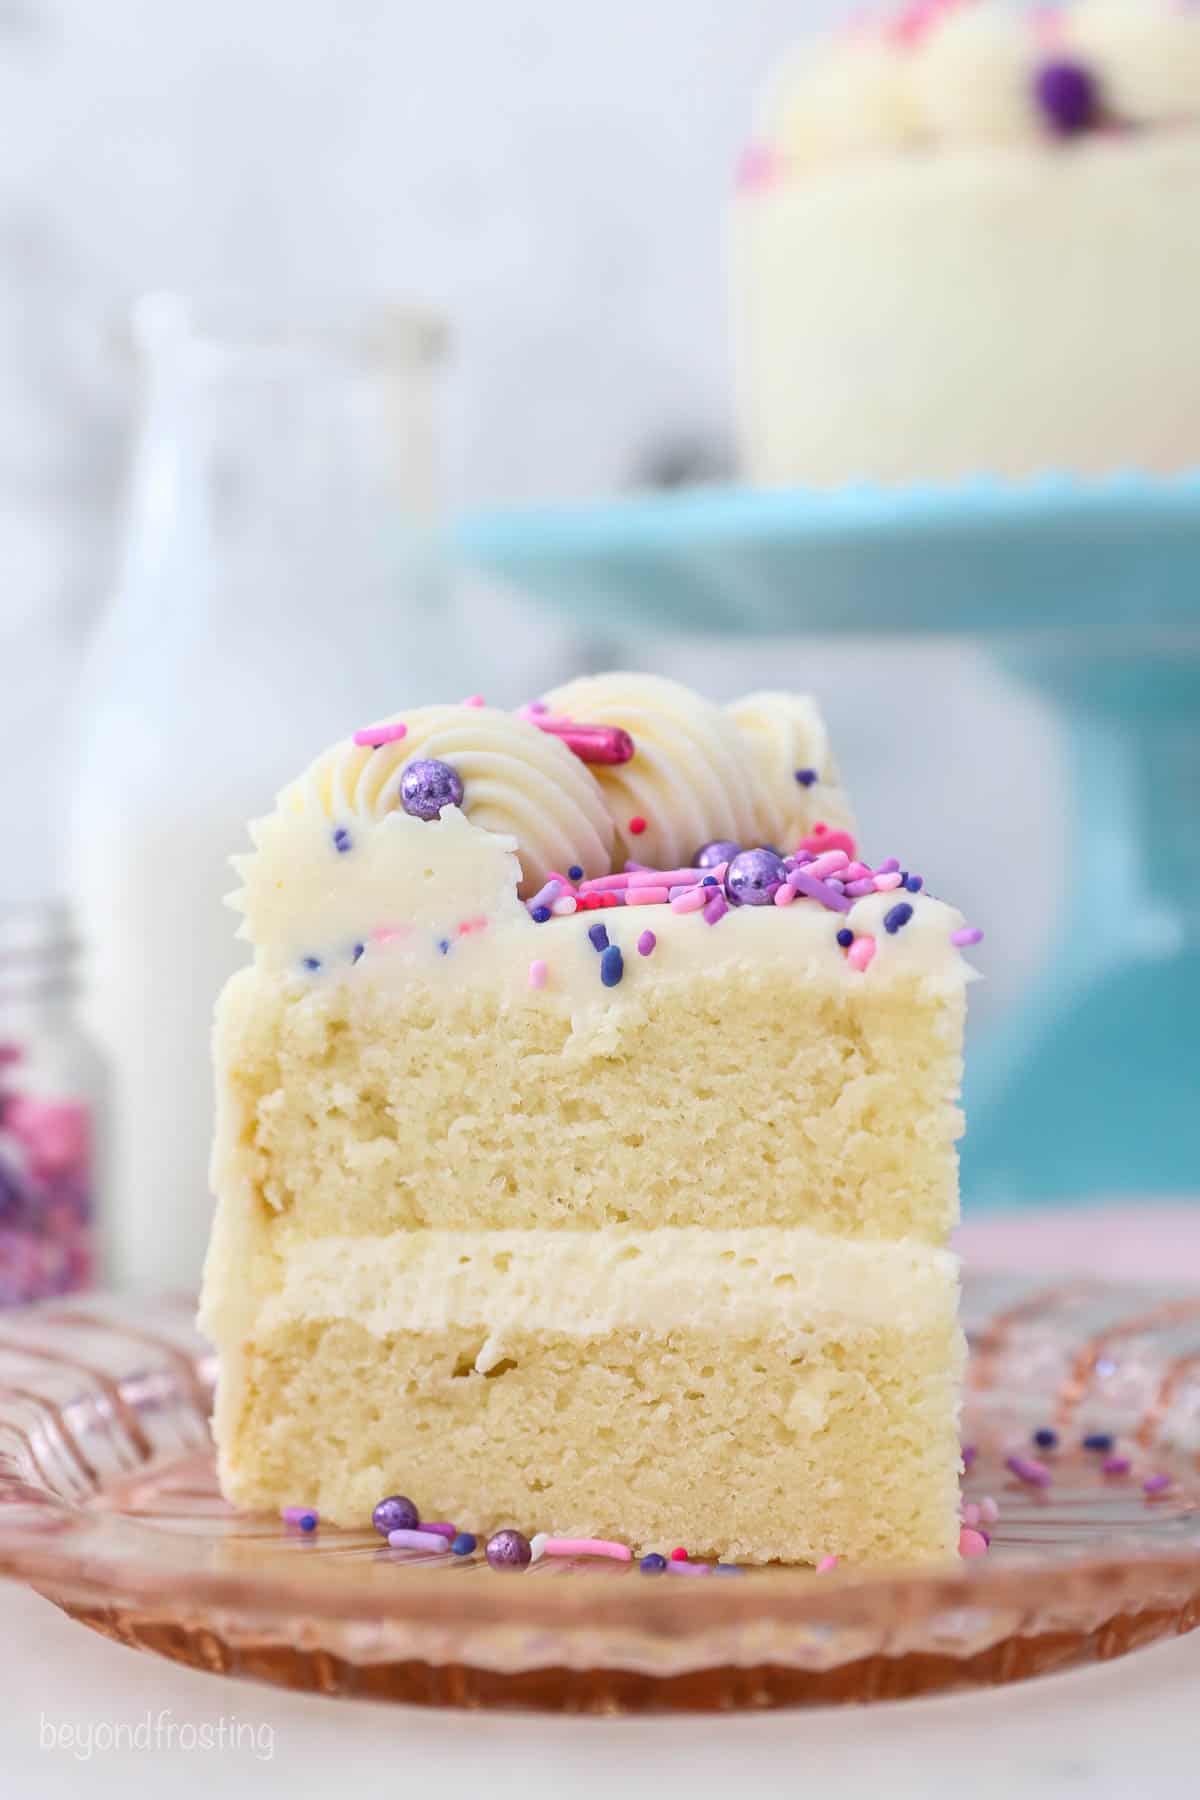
426 786
1067 95
396 1513
508 1550
721 850
753 878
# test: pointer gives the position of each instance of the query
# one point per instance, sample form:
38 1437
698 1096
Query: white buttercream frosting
790 743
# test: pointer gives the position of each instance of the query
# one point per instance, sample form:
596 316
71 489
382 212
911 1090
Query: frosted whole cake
967 240
586 1140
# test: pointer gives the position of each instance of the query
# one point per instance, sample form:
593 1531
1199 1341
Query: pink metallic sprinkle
691 900
1029 1470
537 973
989 1511
419 1540
887 883
716 907
861 953
564 906
784 894
587 1547
474 700
826 1565
805 883
604 744
372 736
688 1568
646 943
829 863
1116 1465
1156 1484
971 1543
647 896
970 934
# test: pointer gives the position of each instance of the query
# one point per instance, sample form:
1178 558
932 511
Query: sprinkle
828 864
306 1517
537 1545
647 896
806 777
691 900
537 706
358 951
826 1565
654 1564
889 866
312 964
1099 1440
1156 1484
646 943
599 936
637 825
914 884
588 1547
474 700
716 909
464 1543
688 1568
601 884
845 937
989 1510
537 973
1046 1438
390 934
971 1513
441 1526
897 917
372 737
418 1540
564 906
639 878
861 953
679 1554
1117 1465
971 1543
711 880
575 872
607 745
969 1453
821 838
1026 1469
342 840
805 883
545 895
444 944
784 894
858 889
885 884
728 1569
856 871
612 966
540 914
970 934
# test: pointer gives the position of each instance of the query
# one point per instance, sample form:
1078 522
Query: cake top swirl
977 72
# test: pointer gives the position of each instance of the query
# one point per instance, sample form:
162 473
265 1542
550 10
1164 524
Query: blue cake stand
1090 592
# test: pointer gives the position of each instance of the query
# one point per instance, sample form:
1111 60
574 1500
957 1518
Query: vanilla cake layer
760 1394
745 1084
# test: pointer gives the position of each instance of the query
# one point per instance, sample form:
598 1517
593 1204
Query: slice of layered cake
586 1139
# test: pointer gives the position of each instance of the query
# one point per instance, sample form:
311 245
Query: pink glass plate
108 1506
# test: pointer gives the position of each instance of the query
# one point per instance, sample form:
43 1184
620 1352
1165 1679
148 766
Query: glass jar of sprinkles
51 1085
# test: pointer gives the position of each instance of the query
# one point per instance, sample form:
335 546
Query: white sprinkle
537 1545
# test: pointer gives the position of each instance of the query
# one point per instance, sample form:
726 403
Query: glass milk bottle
278 589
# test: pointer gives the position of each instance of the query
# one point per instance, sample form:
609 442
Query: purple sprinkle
612 966
818 890
396 1513
914 884
341 840
1046 1438
1027 1469
845 937
575 873
857 890
646 943
709 881
540 914
508 1550
1101 1441
358 951
970 934
599 936
969 1454
890 867
296 1515
312 964
897 917
806 777
1067 95
1156 1484
444 946
716 909
1117 1465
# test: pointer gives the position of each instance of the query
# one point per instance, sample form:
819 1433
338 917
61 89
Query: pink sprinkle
441 1526
971 1543
688 1568
884 884
292 1515
372 736
820 838
604 884
829 864
857 871
756 169
861 953
536 706
390 934
646 943
1116 1465
587 1547
826 1565
971 1513
784 894
970 934
1156 1484
419 1540
665 877
1029 1470
647 896
716 908
691 900
474 700
537 973
989 1511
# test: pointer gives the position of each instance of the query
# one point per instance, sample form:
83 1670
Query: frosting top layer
976 72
